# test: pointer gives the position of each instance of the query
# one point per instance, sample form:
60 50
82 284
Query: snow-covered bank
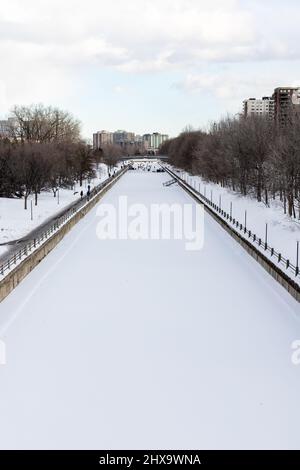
283 231
194 350
15 222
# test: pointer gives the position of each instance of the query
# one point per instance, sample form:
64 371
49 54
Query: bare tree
250 155
111 155
37 123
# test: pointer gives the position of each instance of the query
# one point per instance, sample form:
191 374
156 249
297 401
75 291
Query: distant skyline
121 129
146 66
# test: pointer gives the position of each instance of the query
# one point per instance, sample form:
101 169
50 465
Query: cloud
222 85
232 88
137 35
118 89
3 94
45 45
166 33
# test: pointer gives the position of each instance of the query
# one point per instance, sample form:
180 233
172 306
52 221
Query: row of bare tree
38 123
31 167
251 155
44 151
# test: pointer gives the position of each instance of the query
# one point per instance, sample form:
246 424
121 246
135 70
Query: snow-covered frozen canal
142 344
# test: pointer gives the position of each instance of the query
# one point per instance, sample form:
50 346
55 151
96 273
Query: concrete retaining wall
14 278
284 280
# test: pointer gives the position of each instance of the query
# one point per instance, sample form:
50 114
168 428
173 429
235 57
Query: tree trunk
266 197
259 185
290 204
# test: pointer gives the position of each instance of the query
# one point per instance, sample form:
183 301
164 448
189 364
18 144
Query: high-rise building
102 138
157 139
6 128
287 100
147 141
139 144
129 141
261 107
123 138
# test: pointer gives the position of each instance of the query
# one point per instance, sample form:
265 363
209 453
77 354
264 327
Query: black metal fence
29 247
242 229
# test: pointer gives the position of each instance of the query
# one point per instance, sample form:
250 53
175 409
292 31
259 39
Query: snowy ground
15 222
194 351
283 231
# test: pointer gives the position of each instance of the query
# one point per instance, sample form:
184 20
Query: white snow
283 231
133 345
15 221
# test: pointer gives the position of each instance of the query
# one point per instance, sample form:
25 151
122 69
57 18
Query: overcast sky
146 65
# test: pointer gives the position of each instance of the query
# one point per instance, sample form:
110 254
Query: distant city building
6 127
287 100
154 141
259 107
165 137
138 138
139 143
123 138
102 138
129 141
147 141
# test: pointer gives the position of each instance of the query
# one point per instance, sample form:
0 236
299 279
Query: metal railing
7 266
242 230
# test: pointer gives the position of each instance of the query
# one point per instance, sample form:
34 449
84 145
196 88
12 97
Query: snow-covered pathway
123 344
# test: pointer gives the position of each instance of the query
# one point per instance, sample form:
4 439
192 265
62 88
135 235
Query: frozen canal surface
123 344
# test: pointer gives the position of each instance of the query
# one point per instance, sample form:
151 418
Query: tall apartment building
287 100
261 107
138 138
123 138
102 138
147 141
155 140
139 144
129 141
6 127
